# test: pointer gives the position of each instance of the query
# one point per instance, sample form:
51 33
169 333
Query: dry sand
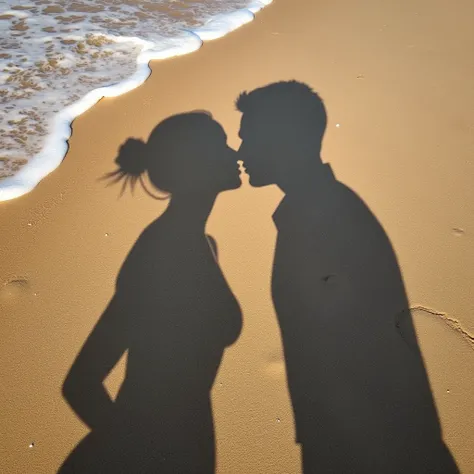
397 82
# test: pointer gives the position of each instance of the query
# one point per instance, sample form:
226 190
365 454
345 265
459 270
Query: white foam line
56 143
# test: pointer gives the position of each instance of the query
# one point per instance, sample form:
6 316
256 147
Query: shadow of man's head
282 129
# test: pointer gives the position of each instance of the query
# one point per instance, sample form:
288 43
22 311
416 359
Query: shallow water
53 53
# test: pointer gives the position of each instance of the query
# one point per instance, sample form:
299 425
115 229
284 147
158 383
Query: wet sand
397 84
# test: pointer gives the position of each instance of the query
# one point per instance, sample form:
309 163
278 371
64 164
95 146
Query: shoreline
397 82
56 144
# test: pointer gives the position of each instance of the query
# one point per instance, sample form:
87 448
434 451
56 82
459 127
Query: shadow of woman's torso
179 315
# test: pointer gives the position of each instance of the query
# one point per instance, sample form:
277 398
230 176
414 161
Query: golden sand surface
397 83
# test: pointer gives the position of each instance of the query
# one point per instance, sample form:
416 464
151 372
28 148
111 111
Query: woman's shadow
172 310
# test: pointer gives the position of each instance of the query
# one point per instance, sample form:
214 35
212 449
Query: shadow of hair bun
132 158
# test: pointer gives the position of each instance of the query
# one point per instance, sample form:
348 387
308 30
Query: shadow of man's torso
360 393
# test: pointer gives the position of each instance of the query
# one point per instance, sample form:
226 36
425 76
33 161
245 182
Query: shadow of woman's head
186 154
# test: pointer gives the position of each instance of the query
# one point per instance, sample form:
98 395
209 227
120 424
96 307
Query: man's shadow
360 393
172 312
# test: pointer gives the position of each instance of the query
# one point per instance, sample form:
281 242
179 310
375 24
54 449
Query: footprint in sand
458 231
14 288
275 365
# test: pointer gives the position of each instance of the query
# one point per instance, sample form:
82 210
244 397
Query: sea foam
59 59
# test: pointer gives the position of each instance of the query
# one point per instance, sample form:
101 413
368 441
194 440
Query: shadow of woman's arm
83 387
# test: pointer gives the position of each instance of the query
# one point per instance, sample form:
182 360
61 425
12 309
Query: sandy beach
397 83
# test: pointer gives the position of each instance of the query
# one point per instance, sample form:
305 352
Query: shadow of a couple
360 393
